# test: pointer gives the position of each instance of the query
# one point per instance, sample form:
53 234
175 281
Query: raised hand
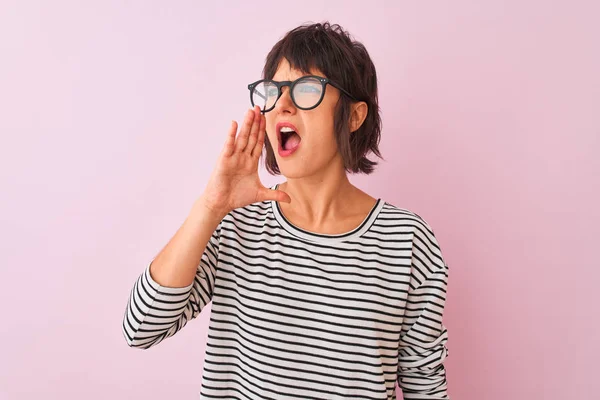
234 181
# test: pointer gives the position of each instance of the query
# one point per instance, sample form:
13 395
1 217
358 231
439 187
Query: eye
309 89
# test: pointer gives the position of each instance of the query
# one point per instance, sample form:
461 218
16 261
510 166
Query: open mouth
289 138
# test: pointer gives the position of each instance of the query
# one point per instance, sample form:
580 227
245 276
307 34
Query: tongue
292 141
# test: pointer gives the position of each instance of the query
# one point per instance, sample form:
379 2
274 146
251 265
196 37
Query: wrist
205 208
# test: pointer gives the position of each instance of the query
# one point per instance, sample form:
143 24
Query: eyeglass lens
306 94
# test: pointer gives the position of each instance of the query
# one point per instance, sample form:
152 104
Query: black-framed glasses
306 92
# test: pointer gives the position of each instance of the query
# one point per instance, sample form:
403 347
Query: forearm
177 262
423 376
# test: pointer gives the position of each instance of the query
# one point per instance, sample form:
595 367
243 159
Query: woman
319 290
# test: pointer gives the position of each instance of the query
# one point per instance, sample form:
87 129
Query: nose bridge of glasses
282 86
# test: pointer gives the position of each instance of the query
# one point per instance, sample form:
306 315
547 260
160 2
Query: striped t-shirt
301 315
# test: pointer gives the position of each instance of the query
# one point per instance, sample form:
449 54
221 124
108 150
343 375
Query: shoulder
251 214
425 244
405 217
408 220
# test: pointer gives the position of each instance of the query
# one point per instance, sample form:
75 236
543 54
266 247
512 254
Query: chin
295 169
301 170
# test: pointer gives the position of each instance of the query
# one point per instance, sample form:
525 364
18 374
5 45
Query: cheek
324 129
270 129
322 139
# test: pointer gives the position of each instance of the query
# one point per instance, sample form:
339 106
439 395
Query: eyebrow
291 80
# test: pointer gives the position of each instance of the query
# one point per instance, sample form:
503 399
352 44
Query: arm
177 283
422 349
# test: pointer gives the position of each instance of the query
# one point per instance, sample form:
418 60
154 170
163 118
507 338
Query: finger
230 141
242 138
260 138
254 131
277 195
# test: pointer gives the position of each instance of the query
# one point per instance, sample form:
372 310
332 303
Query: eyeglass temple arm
263 97
260 94
342 89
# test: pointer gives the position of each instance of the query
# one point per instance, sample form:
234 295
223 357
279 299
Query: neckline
354 233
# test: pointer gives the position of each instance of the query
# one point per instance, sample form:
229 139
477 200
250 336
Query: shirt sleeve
155 312
422 348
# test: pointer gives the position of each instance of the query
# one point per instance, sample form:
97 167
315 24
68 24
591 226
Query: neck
315 199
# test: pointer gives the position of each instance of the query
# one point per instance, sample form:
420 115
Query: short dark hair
331 50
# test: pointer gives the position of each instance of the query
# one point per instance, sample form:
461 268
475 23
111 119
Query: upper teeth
286 129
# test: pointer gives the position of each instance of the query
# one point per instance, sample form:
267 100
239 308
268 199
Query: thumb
277 195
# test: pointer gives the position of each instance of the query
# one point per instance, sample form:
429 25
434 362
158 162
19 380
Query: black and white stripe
310 316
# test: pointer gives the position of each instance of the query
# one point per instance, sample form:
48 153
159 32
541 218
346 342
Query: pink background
112 114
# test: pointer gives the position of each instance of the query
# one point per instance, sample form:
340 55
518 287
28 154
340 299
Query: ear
358 113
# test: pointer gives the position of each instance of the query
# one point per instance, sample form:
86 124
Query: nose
285 103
